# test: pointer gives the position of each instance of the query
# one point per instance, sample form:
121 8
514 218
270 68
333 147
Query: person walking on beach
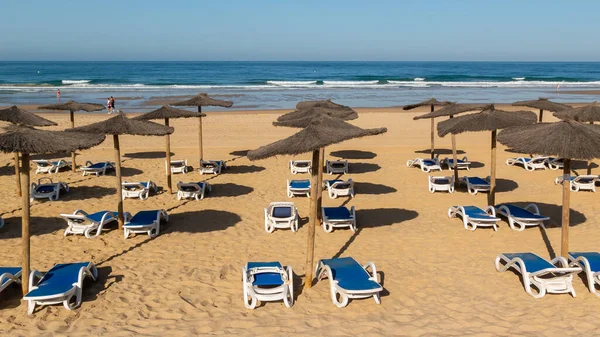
58 95
112 104
109 105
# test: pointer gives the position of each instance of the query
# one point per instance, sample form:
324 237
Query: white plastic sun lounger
580 183
473 216
348 279
461 164
211 166
298 187
192 190
475 184
138 189
61 284
339 217
300 166
179 166
8 276
530 164
554 277
590 262
555 163
145 222
267 281
339 188
519 218
440 183
90 225
426 165
336 166
97 168
47 166
46 188
282 215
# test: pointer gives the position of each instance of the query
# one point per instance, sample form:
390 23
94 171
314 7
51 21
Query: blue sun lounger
298 187
9 275
339 217
426 165
519 218
145 222
80 222
461 164
267 281
348 279
475 184
97 168
554 277
590 262
61 284
473 216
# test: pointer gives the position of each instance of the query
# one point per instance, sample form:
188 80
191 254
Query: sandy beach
439 279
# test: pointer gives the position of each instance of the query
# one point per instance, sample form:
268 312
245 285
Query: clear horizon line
355 61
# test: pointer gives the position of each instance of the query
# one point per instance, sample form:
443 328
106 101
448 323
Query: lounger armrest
533 208
34 277
164 214
560 262
373 273
88 163
491 211
559 180
80 211
106 215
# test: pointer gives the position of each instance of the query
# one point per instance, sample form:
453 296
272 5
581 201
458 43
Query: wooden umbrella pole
454 160
432 135
73 165
312 221
564 243
168 141
200 135
18 174
121 218
492 195
320 182
25 225
541 115
589 163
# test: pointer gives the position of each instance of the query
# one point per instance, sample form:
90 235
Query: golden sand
439 279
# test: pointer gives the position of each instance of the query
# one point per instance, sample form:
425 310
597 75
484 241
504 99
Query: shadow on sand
362 168
354 154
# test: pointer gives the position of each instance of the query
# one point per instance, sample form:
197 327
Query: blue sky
535 30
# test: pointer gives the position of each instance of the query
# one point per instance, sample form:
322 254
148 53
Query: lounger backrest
475 212
300 184
349 274
59 279
265 279
592 257
97 217
190 187
14 271
519 212
533 263
477 181
337 213
45 188
97 165
282 212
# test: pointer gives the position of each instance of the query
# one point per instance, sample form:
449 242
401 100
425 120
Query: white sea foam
518 78
418 79
75 81
291 83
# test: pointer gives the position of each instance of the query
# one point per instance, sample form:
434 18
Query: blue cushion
143 218
441 181
58 280
333 181
592 257
519 212
300 184
337 213
350 275
97 217
190 188
429 162
45 188
451 161
10 270
477 181
533 263
97 165
266 279
476 213
584 180
527 160
282 212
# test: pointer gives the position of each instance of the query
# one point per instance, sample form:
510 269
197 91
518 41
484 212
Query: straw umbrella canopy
433 103
567 139
322 131
449 110
16 115
542 104
200 100
166 112
327 104
27 140
490 119
73 106
121 125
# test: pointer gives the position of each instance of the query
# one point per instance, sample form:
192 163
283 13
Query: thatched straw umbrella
27 140
308 113
433 103
492 120
449 110
588 113
121 125
201 100
73 106
542 104
15 115
166 112
567 139
322 131
327 104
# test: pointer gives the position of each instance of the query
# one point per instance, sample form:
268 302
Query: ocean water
266 85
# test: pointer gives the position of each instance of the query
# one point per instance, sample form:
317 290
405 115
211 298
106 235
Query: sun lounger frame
519 223
152 229
462 164
306 166
339 188
253 294
137 189
10 279
179 166
578 183
47 166
324 271
271 222
211 166
336 166
53 195
292 192
198 192
419 162
530 164
89 228
436 186
329 224
471 223
555 163
473 188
